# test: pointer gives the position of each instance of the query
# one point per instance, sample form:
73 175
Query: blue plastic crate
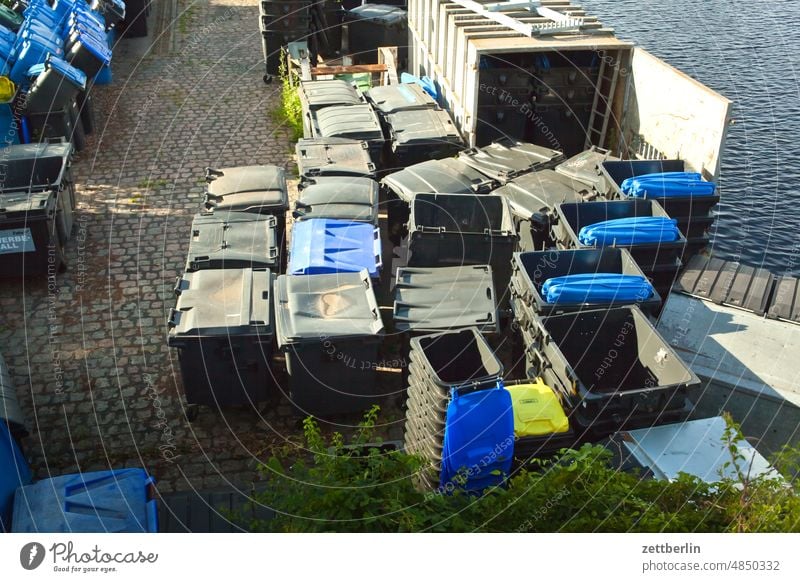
324 246
14 473
115 501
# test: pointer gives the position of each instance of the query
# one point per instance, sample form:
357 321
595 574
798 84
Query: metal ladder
601 106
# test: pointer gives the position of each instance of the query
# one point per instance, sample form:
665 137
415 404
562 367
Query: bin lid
9 403
14 473
422 127
506 158
338 197
392 98
37 150
27 206
115 501
695 447
313 308
447 175
73 75
334 156
323 245
534 196
461 213
584 166
222 303
537 409
233 239
351 121
385 14
438 299
318 94
247 179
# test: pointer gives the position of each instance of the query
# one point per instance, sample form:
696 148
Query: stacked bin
358 122
374 25
338 197
694 213
438 364
329 327
505 159
233 240
316 95
334 156
281 22
447 230
611 368
322 246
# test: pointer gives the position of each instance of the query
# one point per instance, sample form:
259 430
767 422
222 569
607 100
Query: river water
748 51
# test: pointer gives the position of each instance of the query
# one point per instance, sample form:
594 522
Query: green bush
290 112
338 488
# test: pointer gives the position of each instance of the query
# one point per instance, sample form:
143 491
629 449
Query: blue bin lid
323 246
478 437
74 75
14 473
104 501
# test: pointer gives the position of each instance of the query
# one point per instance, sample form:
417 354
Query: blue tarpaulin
630 231
596 288
667 185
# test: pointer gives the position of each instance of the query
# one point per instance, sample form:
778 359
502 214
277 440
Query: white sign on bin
16 240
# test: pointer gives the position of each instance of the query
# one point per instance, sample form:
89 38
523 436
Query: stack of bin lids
506 158
233 240
334 156
26 206
259 189
414 127
447 175
313 308
534 196
318 94
322 245
34 165
9 404
389 99
584 166
104 501
350 121
222 303
438 299
342 198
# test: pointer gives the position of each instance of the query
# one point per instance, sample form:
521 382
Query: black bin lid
34 166
447 175
223 303
413 127
405 96
318 94
534 196
247 188
334 156
232 240
350 121
312 308
507 158
584 166
339 197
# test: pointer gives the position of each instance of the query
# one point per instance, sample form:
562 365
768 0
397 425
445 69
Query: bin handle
174 318
177 289
212 174
376 248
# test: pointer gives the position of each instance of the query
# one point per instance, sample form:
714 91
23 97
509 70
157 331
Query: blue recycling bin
14 473
323 246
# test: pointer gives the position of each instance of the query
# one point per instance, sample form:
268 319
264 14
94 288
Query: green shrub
333 487
290 112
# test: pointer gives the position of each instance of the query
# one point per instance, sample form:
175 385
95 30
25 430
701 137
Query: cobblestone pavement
98 385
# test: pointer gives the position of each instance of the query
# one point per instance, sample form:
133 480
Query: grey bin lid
242 179
585 167
440 299
695 447
28 206
506 158
9 405
34 166
334 156
535 196
386 14
392 98
222 303
232 240
318 94
339 197
350 121
447 175
422 127
313 308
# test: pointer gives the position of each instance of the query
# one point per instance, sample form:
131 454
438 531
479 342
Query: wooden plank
347 69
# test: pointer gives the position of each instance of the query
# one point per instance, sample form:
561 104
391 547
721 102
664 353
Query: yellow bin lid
537 410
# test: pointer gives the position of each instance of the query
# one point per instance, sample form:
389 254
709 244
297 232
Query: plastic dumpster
333 157
506 158
421 134
388 99
9 18
533 199
612 366
86 52
446 230
322 246
223 329
374 25
357 122
14 473
573 217
56 85
446 298
315 95
585 168
57 125
258 189
116 501
29 241
233 240
338 197
329 327
531 271
42 167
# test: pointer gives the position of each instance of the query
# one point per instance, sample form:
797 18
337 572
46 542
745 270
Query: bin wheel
192 410
267 79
